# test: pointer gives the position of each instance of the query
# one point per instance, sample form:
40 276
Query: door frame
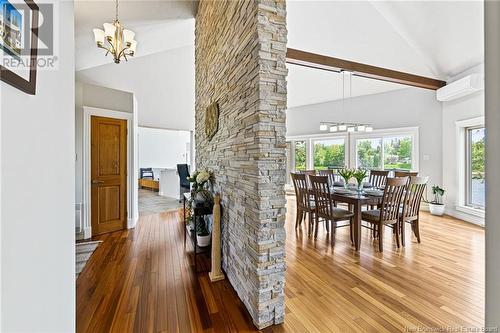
88 112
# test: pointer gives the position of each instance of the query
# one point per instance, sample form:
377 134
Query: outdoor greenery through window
397 153
475 167
300 155
369 153
329 153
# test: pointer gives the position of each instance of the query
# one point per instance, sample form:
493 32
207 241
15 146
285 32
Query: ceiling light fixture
323 127
342 127
350 129
121 41
333 128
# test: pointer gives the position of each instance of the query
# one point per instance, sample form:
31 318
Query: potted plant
346 175
203 236
436 206
360 175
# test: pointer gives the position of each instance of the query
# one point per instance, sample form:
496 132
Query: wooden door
108 174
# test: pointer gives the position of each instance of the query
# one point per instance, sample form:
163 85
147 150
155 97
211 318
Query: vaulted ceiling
438 39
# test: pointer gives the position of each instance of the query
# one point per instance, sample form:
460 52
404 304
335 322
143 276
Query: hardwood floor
141 281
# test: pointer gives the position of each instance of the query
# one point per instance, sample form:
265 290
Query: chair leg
350 230
311 222
298 219
402 227
316 227
380 237
417 229
396 228
327 226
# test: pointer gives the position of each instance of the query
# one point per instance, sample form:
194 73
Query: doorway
108 174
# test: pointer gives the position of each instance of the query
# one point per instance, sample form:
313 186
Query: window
475 175
299 151
397 152
369 153
329 154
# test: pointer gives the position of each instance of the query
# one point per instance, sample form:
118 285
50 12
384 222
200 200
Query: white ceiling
159 26
311 86
431 38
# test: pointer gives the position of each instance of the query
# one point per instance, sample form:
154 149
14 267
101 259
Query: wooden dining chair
411 206
304 203
399 174
378 178
388 214
325 207
329 173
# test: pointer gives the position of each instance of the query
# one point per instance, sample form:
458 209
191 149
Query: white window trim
461 127
350 142
412 132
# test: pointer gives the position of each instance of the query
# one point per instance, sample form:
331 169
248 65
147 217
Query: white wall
401 108
37 200
492 70
159 148
163 84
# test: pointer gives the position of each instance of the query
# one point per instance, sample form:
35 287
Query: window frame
381 134
468 166
461 149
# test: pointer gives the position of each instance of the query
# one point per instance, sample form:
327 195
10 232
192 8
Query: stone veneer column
240 63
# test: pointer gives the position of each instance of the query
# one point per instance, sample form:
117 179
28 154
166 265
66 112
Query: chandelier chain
116 10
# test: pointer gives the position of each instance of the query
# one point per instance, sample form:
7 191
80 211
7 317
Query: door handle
97 181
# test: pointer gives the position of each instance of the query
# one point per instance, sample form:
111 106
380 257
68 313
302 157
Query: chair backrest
413 197
398 174
183 171
147 173
393 195
330 173
301 190
308 173
322 198
378 178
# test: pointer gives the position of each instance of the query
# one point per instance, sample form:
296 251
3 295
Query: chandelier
344 127
334 126
121 41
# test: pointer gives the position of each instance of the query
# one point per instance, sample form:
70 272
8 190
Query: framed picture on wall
19 43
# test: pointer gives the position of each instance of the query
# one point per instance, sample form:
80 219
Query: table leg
195 242
184 217
357 226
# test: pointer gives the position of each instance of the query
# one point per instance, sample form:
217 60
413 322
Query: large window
475 175
329 154
369 153
397 152
391 152
299 151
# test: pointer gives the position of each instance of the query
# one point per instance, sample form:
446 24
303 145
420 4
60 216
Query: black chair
184 184
147 173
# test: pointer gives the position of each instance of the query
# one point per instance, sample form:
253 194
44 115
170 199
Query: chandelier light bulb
369 129
333 128
342 127
350 129
361 128
323 127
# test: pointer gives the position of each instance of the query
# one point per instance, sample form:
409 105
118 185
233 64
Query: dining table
357 200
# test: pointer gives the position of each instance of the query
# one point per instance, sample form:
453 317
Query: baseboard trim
87 233
465 217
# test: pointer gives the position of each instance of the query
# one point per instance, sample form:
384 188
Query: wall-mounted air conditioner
460 88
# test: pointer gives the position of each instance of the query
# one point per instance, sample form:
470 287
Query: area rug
83 252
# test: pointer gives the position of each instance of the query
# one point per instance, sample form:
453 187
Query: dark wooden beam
323 62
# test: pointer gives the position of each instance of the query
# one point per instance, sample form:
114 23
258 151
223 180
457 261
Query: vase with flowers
199 190
346 175
360 175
